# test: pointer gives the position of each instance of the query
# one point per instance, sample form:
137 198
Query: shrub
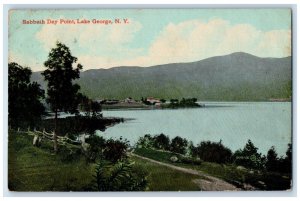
121 176
212 152
111 150
115 150
178 145
145 142
97 145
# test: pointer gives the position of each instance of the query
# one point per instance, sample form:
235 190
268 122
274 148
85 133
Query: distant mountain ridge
234 77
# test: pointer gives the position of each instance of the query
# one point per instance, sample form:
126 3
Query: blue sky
153 36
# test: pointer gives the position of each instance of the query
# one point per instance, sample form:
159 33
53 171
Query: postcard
150 100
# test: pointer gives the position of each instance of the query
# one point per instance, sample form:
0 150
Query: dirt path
210 183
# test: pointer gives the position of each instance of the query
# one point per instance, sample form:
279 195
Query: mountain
235 77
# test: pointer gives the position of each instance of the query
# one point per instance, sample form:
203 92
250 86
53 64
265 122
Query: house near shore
129 100
154 101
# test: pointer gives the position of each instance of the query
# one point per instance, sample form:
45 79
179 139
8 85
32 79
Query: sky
151 36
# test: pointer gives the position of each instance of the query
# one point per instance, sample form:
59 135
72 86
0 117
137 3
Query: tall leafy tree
272 160
249 157
24 97
179 145
288 160
162 141
62 93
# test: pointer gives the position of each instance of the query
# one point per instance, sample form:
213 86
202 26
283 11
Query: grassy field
228 172
161 156
162 178
38 169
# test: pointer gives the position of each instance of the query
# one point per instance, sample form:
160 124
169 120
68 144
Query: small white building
129 100
153 100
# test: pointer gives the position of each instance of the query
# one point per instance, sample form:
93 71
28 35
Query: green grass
161 156
162 178
38 169
228 172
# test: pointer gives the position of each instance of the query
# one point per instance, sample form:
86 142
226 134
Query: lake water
265 123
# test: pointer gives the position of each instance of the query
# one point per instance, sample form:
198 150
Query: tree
212 152
146 141
249 157
285 164
289 153
288 159
62 92
85 105
173 101
194 100
96 108
272 160
90 106
24 97
179 145
163 100
161 142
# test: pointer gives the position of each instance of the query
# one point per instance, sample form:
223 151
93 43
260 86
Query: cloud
24 61
183 42
195 40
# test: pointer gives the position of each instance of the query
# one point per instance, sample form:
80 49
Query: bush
145 142
111 150
97 145
121 176
115 150
249 157
178 145
212 152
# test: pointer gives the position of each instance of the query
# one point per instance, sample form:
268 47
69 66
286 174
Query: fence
38 136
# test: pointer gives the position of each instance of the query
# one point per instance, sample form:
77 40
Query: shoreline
207 104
